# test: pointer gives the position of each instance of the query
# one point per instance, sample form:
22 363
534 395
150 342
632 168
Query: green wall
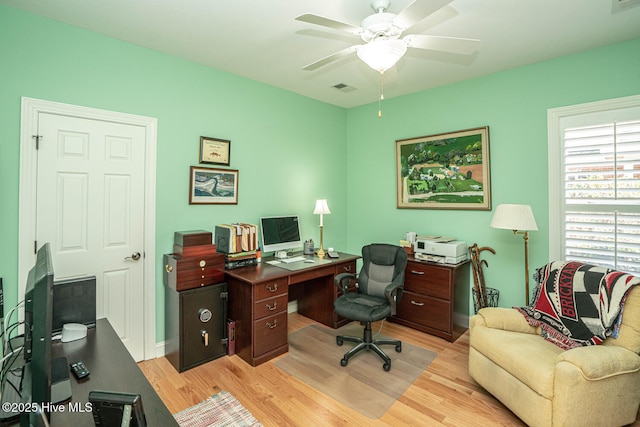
289 150
514 105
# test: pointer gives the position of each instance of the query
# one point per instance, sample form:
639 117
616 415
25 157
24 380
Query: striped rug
220 410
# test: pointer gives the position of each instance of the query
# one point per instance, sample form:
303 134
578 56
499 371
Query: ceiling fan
381 33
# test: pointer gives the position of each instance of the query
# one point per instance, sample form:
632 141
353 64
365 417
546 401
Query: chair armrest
393 292
342 281
599 361
506 319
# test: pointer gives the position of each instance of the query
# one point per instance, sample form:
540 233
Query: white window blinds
598 184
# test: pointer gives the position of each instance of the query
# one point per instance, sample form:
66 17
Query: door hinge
224 341
224 295
37 138
35 246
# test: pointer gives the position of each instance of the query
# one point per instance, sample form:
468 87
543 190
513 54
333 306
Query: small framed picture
215 151
210 186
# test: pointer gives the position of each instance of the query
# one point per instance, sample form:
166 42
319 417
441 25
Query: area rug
221 409
363 385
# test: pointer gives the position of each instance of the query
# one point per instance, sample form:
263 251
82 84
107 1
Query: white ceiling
262 40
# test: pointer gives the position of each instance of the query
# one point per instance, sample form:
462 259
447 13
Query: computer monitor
38 314
280 233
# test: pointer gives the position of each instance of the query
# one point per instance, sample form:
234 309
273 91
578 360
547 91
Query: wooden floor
444 395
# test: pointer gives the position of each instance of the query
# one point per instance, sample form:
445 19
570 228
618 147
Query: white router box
73 332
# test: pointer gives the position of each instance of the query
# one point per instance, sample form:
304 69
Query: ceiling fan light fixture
382 54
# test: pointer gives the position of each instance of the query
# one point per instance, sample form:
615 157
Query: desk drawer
425 310
428 280
269 333
270 289
347 267
270 306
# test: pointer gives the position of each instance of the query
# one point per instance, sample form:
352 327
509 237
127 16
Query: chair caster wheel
398 348
386 367
344 362
339 341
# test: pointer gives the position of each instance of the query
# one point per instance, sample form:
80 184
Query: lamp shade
514 217
321 207
382 54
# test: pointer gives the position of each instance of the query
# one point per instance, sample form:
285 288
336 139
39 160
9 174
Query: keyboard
292 259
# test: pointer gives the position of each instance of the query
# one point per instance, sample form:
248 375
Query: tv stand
112 369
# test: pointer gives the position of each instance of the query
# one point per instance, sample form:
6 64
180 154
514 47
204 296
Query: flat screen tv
38 314
280 233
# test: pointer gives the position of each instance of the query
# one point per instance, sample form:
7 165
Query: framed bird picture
211 186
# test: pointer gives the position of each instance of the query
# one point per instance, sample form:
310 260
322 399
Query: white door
90 207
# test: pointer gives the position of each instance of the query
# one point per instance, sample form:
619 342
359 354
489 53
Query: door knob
134 256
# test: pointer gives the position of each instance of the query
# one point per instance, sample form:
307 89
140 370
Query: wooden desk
258 298
112 369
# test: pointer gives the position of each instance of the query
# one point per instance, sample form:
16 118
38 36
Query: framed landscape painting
444 171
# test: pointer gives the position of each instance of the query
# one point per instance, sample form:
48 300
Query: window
594 183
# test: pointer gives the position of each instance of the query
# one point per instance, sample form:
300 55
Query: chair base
366 343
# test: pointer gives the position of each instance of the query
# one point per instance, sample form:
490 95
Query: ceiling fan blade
417 11
443 44
333 57
330 23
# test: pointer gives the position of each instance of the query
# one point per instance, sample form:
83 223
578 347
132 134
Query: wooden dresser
259 296
428 298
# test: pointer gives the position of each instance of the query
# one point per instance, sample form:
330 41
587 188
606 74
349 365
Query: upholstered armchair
546 385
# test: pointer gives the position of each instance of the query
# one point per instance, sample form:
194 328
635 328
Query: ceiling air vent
622 5
343 87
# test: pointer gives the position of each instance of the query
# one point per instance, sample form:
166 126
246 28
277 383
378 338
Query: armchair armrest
599 361
506 319
342 281
393 292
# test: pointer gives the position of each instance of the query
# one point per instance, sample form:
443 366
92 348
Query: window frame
555 117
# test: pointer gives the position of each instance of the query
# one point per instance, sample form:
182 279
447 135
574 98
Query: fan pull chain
381 91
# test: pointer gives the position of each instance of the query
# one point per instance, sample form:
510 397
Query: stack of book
240 259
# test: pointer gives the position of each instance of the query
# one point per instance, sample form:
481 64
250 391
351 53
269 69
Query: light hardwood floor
444 395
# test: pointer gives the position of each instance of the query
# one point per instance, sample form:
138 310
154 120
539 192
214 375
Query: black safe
195 325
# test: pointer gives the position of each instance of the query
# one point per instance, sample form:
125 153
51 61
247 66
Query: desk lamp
518 218
321 209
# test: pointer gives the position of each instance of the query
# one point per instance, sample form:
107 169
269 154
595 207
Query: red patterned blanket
577 304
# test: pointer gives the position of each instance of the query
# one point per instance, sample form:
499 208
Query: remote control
79 370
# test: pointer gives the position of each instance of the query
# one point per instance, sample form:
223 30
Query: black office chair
378 289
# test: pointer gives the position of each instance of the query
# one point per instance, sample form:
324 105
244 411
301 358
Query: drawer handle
271 308
419 304
272 290
420 273
168 268
275 323
347 268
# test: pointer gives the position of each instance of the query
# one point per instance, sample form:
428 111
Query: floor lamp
321 209
518 218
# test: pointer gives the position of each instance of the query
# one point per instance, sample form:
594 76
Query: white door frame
31 108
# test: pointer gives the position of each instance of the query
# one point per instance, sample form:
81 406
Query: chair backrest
382 264
629 336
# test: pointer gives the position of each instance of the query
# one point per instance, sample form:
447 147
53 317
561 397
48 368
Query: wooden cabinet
182 273
428 298
195 307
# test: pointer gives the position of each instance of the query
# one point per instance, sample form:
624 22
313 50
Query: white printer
440 249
